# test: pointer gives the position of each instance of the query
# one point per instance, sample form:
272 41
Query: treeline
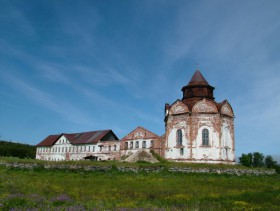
11 149
257 159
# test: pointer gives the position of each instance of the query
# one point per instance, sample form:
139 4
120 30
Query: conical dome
197 78
198 87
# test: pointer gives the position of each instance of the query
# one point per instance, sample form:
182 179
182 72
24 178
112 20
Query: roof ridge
140 127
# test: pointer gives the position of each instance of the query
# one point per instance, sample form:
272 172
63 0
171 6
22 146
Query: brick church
197 129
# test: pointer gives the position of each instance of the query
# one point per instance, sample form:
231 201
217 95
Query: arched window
179 137
205 137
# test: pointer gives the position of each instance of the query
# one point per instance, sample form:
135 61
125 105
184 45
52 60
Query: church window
179 137
205 137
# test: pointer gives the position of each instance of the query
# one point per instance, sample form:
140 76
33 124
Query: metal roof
79 138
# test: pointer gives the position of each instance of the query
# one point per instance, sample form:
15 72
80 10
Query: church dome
198 88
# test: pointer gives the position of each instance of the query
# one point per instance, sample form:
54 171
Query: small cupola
198 87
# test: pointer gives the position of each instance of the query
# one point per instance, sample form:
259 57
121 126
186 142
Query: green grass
81 190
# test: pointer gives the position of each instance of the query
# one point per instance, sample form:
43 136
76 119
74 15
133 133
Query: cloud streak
63 108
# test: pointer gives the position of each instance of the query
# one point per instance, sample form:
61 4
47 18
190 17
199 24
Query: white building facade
96 145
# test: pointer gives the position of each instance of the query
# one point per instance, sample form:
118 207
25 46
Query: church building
197 128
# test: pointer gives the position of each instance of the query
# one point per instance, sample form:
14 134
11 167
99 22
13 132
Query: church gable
226 109
140 133
178 108
204 106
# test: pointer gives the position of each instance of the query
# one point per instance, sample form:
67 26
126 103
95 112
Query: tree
246 160
269 162
258 159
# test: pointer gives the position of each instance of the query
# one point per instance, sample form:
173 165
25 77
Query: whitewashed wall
64 150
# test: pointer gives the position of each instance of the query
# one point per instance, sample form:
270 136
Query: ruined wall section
140 139
174 123
227 140
211 122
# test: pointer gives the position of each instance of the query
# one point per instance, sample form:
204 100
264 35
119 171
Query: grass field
80 190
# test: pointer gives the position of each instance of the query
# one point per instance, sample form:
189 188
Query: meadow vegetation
41 189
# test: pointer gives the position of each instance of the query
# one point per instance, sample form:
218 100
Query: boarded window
144 144
126 145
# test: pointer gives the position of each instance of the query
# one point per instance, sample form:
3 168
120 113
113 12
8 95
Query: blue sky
73 66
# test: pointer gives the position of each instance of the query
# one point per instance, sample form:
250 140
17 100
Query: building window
152 144
181 151
85 148
137 145
109 148
93 148
62 149
131 145
179 137
205 137
65 149
89 148
144 144
115 147
126 145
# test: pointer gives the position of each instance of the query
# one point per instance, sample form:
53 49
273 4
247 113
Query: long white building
96 145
